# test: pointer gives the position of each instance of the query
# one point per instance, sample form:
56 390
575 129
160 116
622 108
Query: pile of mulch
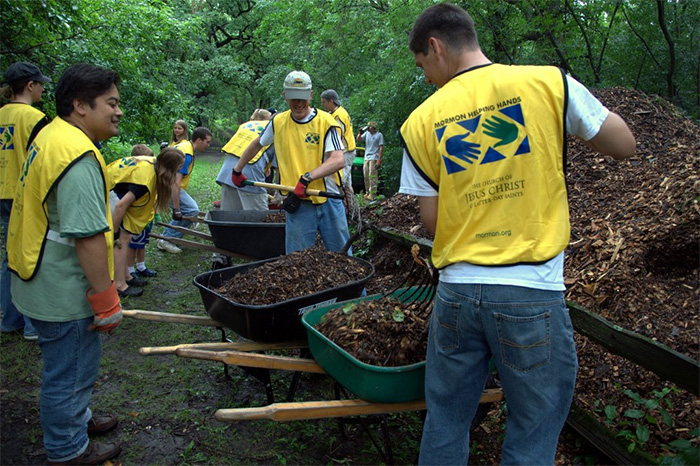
275 217
633 257
399 212
294 275
383 332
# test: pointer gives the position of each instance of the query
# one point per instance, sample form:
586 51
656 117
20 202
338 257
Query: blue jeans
12 319
529 334
328 219
189 208
71 355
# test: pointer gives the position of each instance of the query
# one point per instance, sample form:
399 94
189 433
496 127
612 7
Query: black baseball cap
24 71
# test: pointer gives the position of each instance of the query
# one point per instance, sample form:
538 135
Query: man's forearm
92 255
249 152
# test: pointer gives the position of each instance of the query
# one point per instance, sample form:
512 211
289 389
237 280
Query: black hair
447 22
200 132
85 83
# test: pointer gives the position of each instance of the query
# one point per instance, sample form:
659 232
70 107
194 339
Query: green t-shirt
76 209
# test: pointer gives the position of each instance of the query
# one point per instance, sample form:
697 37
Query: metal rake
419 285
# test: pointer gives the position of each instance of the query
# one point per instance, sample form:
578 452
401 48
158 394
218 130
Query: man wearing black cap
19 122
331 103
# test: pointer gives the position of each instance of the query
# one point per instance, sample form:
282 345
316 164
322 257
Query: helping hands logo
312 138
475 140
7 137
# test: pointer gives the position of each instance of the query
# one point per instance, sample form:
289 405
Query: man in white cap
331 103
309 154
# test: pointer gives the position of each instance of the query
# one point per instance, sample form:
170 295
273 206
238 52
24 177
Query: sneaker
168 246
145 272
135 281
31 336
130 291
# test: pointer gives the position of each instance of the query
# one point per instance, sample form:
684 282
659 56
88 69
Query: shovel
310 192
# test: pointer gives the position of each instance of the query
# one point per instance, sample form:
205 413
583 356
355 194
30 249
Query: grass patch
166 404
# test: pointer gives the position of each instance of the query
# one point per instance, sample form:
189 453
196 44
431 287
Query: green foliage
635 425
213 63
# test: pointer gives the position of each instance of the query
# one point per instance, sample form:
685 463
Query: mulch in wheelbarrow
384 332
297 274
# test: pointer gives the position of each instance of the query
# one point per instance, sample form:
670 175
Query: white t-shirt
584 117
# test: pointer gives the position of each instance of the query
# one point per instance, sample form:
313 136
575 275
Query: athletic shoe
168 246
135 281
31 336
130 291
145 272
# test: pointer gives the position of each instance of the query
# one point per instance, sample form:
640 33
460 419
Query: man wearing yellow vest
19 123
485 154
331 103
309 154
60 250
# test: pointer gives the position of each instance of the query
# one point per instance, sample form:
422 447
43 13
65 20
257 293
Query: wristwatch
307 177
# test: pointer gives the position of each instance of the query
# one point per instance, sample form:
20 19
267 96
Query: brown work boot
96 453
101 424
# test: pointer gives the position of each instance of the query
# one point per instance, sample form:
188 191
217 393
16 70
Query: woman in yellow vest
141 184
247 197
19 123
180 133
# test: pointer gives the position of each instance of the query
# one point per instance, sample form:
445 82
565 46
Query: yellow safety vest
300 148
348 135
57 147
17 122
243 137
492 143
187 149
136 170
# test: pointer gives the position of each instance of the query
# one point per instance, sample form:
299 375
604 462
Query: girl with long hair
139 186
180 133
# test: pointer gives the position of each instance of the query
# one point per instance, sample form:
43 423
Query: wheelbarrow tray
376 384
273 322
244 232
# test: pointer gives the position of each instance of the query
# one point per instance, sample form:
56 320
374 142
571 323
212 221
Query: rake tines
418 287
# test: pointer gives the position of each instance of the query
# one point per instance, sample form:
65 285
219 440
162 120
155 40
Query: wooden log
663 361
604 439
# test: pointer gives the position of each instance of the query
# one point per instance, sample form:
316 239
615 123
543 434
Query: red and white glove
107 309
238 178
300 188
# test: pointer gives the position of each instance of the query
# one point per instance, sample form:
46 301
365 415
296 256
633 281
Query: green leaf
348 308
666 417
642 434
398 315
634 413
610 412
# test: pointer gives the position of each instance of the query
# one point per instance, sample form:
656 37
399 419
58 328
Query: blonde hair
261 114
168 162
185 135
141 149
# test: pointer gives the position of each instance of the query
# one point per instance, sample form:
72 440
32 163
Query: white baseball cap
297 85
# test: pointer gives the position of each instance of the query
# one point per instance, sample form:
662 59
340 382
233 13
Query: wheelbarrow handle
310 192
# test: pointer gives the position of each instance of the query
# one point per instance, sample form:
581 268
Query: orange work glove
107 309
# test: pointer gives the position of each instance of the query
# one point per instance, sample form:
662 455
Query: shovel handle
310 192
